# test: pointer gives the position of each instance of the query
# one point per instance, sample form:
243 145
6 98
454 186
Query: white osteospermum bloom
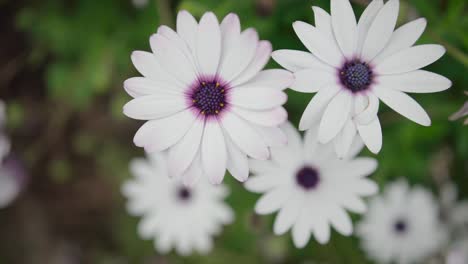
402 225
311 187
174 215
354 64
206 97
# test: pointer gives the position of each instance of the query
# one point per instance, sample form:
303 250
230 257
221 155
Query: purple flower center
308 178
400 226
356 76
184 193
209 98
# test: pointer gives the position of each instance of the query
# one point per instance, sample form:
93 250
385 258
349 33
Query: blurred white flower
352 65
454 212
458 253
311 187
12 180
206 98
402 225
175 216
140 3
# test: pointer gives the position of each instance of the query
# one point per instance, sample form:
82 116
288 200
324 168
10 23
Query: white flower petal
178 42
187 28
380 30
403 38
257 98
403 104
287 216
183 153
244 136
208 44
370 111
273 78
230 32
371 134
272 117
194 171
355 204
318 43
301 230
141 86
312 80
237 163
416 82
321 230
323 23
262 55
213 152
295 60
358 167
366 20
261 183
238 57
154 107
345 138
272 136
160 134
341 221
344 26
272 201
148 66
172 59
335 116
410 59
367 187
316 106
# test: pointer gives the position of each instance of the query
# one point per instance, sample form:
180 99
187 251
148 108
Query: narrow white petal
419 81
258 98
371 134
312 80
208 43
323 23
238 57
272 201
183 153
403 38
178 42
172 59
187 28
194 172
356 168
274 78
410 59
344 139
318 43
321 229
344 26
272 136
287 216
380 30
316 106
403 104
366 187
261 58
154 107
355 204
335 116
261 183
141 86
370 111
148 66
341 221
230 31
295 60
272 117
237 162
366 20
159 134
213 152
301 231
244 136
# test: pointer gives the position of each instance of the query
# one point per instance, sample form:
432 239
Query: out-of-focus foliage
80 52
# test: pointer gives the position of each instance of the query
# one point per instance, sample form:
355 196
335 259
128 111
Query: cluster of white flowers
210 107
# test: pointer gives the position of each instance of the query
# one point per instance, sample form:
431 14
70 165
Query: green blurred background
62 65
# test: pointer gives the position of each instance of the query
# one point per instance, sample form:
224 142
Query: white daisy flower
351 65
206 97
402 225
311 187
174 215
